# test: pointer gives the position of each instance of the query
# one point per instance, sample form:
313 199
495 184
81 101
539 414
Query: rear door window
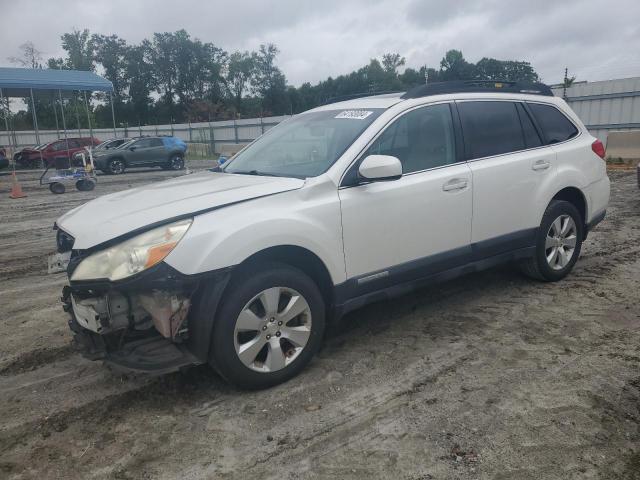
490 128
555 125
155 142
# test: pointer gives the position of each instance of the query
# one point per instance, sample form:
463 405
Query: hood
28 150
111 216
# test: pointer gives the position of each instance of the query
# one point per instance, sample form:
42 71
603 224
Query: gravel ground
488 376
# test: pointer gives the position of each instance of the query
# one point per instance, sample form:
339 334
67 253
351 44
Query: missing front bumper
153 354
138 346
132 329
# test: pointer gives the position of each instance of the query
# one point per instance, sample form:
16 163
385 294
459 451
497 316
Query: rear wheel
558 243
85 185
116 166
57 188
268 327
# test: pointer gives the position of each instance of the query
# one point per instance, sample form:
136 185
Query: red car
60 150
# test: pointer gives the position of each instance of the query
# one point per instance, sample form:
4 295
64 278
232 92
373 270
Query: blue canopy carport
21 82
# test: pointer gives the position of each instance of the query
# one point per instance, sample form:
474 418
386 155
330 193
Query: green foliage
240 69
173 77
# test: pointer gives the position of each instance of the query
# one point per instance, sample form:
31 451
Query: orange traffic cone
16 189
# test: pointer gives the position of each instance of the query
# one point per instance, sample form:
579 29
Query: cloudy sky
596 40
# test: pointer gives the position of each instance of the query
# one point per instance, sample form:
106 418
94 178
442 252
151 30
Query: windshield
124 145
104 145
305 145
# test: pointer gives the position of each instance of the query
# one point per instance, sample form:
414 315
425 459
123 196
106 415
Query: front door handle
455 184
541 165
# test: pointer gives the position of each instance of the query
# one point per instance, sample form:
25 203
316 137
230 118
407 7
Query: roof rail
475 86
351 96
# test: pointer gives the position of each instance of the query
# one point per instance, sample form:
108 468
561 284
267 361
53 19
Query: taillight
598 148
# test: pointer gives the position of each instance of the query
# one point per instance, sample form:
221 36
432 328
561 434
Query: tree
240 70
140 78
80 50
111 52
391 62
174 77
161 52
492 69
268 81
30 57
185 70
453 66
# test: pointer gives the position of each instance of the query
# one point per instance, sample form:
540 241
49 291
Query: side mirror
380 167
133 149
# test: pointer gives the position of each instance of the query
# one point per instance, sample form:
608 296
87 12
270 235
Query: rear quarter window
555 126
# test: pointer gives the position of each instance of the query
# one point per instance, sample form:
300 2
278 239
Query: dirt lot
488 376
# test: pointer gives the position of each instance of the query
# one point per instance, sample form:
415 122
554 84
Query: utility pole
426 75
564 84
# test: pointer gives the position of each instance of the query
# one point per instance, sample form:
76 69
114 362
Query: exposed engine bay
166 311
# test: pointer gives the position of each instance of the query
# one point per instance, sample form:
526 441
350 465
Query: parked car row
160 151
111 156
52 152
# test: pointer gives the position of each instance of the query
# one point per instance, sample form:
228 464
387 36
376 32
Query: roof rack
476 86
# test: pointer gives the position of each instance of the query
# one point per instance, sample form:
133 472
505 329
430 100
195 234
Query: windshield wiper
254 172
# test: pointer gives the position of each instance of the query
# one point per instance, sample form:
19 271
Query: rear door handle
455 184
541 165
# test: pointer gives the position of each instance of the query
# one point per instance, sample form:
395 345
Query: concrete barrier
624 147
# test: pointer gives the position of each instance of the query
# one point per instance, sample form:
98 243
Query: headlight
134 255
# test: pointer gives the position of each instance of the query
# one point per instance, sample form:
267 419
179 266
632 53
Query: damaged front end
133 328
155 321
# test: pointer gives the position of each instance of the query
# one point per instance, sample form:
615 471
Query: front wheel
116 166
268 327
558 243
176 162
85 185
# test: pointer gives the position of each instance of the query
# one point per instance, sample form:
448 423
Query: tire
176 162
85 185
116 166
555 258
273 359
57 188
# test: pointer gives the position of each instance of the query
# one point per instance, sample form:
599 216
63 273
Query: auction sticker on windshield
354 114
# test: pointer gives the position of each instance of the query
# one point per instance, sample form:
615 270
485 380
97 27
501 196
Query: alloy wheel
116 166
272 329
177 163
560 244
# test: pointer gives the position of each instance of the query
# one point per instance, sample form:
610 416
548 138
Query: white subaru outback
346 204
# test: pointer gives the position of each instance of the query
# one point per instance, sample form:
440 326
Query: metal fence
209 135
605 106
